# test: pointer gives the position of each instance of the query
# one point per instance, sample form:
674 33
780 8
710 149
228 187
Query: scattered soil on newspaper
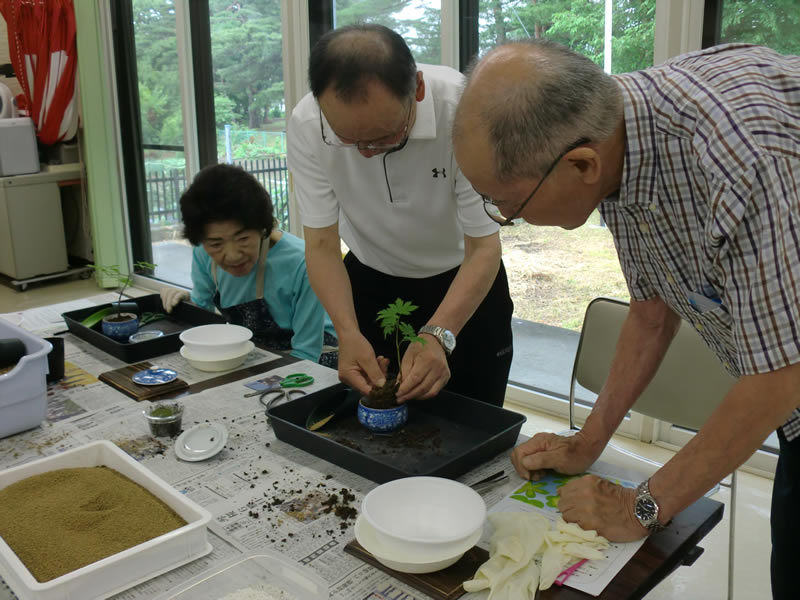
65 519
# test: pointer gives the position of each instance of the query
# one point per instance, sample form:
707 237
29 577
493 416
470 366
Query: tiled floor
705 580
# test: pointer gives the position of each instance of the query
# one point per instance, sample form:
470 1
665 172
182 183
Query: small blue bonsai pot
120 326
382 420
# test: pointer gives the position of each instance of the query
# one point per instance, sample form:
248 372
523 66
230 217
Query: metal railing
164 189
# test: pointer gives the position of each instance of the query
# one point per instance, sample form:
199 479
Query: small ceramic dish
218 364
201 441
154 376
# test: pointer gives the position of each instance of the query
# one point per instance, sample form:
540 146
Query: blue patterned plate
155 376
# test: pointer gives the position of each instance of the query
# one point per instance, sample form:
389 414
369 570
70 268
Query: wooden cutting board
120 379
442 585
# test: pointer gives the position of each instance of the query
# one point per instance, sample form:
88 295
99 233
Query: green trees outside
247 62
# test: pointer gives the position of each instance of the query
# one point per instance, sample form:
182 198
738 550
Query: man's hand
171 297
358 366
566 454
595 503
425 371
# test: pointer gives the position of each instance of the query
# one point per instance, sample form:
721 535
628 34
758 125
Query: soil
383 397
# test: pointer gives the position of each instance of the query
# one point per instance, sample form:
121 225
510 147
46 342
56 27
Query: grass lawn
554 273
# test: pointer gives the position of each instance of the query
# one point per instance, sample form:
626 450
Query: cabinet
32 241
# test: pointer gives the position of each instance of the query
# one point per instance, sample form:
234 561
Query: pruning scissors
287 386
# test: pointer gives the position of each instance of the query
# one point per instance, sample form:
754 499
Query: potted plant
118 320
378 411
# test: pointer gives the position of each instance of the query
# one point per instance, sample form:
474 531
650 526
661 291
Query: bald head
525 102
347 60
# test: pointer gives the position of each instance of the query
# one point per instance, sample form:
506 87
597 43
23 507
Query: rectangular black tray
184 316
445 436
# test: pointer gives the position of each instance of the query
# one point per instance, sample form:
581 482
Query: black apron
255 315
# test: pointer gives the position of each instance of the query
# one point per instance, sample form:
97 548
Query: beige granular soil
65 519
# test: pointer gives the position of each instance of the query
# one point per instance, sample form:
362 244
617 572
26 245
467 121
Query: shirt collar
425 124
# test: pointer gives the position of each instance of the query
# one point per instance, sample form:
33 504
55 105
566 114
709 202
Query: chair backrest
688 386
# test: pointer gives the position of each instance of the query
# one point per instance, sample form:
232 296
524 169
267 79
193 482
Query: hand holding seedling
358 366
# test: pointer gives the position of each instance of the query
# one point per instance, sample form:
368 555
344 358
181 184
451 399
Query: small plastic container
23 390
164 418
253 571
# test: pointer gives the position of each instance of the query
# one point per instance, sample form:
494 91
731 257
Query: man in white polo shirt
371 157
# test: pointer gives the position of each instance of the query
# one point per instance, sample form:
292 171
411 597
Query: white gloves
512 572
170 297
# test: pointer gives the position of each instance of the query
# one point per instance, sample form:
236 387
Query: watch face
645 509
449 339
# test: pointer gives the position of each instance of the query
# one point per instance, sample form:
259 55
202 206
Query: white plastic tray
251 570
125 569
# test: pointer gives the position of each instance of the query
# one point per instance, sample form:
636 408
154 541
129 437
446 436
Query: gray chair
689 384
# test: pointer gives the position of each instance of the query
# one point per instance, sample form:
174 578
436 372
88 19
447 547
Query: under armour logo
437 171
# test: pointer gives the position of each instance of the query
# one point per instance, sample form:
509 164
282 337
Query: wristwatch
445 337
646 508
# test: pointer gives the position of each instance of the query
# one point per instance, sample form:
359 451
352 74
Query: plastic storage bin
122 570
23 390
249 572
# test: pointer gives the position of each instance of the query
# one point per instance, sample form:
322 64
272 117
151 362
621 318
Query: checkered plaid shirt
710 200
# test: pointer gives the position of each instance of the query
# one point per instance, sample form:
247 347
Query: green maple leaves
391 323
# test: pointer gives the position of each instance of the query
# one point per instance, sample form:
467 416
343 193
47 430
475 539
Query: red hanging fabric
41 42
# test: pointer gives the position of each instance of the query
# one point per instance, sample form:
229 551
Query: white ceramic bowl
406 563
429 516
225 364
216 342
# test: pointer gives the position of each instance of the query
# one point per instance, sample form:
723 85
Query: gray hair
564 97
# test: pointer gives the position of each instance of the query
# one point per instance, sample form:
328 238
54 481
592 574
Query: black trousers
785 521
480 364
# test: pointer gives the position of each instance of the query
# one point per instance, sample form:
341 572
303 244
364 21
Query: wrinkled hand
170 297
595 503
566 454
358 366
425 371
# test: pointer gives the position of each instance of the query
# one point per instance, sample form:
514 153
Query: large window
553 273
245 95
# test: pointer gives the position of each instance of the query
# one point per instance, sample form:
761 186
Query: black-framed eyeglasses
491 208
388 142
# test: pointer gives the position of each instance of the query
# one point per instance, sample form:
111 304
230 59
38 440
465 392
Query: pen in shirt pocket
705 300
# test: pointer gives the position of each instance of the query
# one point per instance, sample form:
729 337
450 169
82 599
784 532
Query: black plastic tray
184 316
444 437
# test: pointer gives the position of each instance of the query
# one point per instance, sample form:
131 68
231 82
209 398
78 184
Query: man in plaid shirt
695 167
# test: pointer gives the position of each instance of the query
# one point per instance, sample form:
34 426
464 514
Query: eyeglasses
491 208
388 142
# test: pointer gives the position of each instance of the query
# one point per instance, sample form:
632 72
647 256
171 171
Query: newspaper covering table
263 494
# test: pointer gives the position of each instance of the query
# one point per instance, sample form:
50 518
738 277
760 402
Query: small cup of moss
164 418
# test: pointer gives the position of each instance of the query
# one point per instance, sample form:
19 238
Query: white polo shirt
408 220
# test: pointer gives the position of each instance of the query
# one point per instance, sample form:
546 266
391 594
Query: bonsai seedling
392 324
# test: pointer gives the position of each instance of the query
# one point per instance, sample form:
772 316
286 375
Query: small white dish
154 376
406 563
201 441
225 364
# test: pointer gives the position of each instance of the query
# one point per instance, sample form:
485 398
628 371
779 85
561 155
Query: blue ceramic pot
120 330
382 420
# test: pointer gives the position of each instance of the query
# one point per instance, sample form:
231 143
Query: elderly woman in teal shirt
253 273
